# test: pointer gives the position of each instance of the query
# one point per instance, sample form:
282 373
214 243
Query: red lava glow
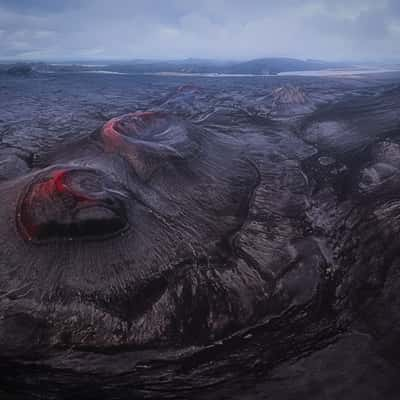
116 132
43 198
57 186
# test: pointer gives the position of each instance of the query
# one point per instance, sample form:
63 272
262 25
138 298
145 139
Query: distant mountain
277 65
180 66
258 66
261 66
20 69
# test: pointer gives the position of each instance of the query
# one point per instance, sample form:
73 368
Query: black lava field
167 237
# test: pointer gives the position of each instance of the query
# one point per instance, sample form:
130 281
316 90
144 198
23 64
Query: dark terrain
230 238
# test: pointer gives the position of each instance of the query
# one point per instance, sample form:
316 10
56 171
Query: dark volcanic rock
237 239
20 70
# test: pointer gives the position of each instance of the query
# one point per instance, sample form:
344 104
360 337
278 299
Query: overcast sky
224 29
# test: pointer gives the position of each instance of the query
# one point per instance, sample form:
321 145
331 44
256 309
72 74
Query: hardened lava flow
227 243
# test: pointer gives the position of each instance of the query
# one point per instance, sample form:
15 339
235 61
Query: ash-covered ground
199 238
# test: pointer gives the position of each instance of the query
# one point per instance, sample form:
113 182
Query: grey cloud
340 29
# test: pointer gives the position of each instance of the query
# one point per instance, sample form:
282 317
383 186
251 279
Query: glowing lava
69 203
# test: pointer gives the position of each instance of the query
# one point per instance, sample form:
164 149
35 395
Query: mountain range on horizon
259 66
